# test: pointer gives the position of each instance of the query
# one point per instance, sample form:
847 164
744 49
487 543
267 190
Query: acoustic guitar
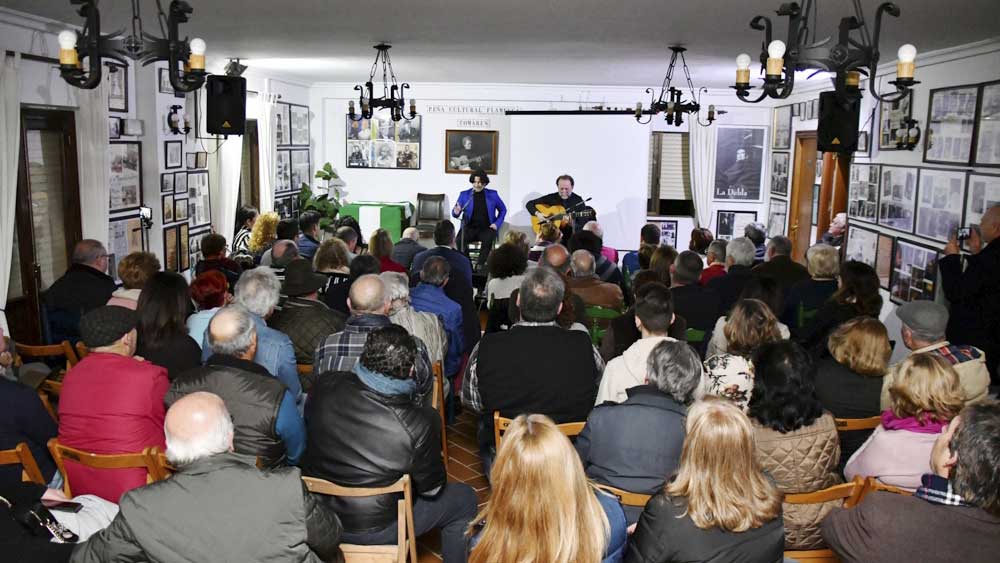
558 216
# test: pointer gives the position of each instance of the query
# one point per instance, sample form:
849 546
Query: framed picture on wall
200 201
180 183
380 143
173 154
883 259
951 124
194 243
114 128
941 203
988 126
170 261
125 175
168 209
166 183
864 147
668 231
898 198
777 217
862 192
739 163
861 245
782 127
282 122
183 247
384 154
803 109
469 150
984 192
201 159
165 86
779 173
301 173
298 124
891 116
730 224
914 272
191 160
180 209
283 206
125 236
117 77
813 111
283 171
359 154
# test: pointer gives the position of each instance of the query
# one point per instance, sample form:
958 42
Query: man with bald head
556 257
267 422
585 283
407 247
217 506
972 291
369 306
84 287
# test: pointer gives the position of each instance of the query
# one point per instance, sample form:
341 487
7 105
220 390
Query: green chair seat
695 336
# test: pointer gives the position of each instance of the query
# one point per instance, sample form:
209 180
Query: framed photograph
164 81
380 143
283 171
117 77
384 154
988 126
282 121
984 192
782 127
168 209
166 183
862 192
779 173
180 209
132 127
170 262
951 125
301 173
191 160
795 110
359 129
199 199
194 243
861 245
470 150
941 203
914 272
898 198
183 244
883 259
408 155
359 154
125 236
803 110
408 131
891 116
201 159
813 111
730 224
180 183
283 207
125 175
864 147
668 230
739 163
777 217
299 124
173 154
114 128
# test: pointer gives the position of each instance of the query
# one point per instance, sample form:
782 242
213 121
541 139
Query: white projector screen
607 155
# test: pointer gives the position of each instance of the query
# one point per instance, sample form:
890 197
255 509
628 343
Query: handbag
37 519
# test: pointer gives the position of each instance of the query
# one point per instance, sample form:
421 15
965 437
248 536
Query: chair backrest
625 497
500 425
146 459
603 313
62 350
694 336
437 401
49 392
430 208
851 424
21 455
851 493
406 539
81 350
304 369
875 485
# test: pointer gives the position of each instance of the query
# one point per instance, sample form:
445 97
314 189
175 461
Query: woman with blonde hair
720 506
924 397
134 270
380 246
263 234
542 509
730 374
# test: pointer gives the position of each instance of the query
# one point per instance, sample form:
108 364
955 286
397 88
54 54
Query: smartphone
963 234
62 506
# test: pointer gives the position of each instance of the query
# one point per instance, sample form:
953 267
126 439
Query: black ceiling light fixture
75 46
847 59
671 100
392 97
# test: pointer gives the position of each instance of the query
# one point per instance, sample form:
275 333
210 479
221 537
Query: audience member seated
780 266
518 239
263 234
282 254
407 247
258 291
757 234
84 287
715 262
308 239
217 506
646 256
610 253
730 375
662 261
739 259
380 246
926 395
849 380
111 403
500 376
459 286
213 252
134 270
210 292
765 290
923 325
699 305
823 264
287 229
579 523
425 326
654 311
614 449
605 269
834 236
336 294
246 216
331 261
700 239
506 266
164 305
548 234
18 542
649 235
429 297
350 237
796 439
857 296
573 314
720 506
955 512
367 428
23 418
623 331
268 425
585 283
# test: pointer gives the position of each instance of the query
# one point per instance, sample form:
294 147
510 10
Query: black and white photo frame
897 204
891 117
180 183
191 160
777 217
987 153
282 123
914 273
862 192
984 192
739 163
780 164
729 224
782 127
117 77
180 209
124 175
298 125
114 128
941 203
861 245
167 183
173 154
951 125
167 211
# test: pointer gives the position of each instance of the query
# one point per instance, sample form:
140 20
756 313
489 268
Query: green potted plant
327 205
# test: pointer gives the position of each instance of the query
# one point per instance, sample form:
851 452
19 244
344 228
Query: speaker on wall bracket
838 124
225 105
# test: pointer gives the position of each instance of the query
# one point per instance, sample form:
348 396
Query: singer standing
482 212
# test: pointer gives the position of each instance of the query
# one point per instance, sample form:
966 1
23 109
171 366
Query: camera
963 234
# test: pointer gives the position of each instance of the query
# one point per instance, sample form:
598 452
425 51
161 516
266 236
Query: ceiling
597 42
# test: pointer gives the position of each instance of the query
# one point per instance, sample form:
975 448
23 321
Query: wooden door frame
797 194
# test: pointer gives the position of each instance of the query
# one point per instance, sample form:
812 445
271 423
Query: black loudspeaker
838 124
226 105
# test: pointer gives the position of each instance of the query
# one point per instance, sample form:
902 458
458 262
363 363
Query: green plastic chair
806 315
595 314
695 336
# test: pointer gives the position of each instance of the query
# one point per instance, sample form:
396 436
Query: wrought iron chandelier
670 100
848 59
393 96
74 46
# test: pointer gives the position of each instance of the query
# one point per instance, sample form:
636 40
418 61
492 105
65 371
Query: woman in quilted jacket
797 441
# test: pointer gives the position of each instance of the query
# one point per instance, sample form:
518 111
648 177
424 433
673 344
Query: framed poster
777 217
779 173
298 124
180 209
194 243
864 148
125 236
914 272
191 160
891 116
883 259
359 129
180 183
200 201
173 153
861 245
739 162
951 123
283 171
300 171
170 262
117 77
862 192
813 111
668 230
283 206
941 203
125 175
166 183
803 109
163 75
898 198
730 224
201 159
984 193
470 150
282 123
167 209
782 127
114 128
183 247
988 126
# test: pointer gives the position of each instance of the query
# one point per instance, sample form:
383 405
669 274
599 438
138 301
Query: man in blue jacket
482 213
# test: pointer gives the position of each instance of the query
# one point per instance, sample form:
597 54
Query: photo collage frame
382 143
963 125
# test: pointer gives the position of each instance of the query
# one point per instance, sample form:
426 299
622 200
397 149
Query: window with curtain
669 175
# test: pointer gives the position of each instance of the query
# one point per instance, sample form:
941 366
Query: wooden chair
49 392
600 318
625 497
500 424
146 459
852 424
81 350
21 455
62 350
437 401
851 493
406 540
167 469
875 485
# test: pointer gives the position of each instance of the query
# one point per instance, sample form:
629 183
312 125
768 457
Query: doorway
800 228
46 217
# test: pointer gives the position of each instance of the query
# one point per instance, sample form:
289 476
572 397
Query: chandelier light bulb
907 53
904 67
197 59
743 62
197 46
67 39
776 49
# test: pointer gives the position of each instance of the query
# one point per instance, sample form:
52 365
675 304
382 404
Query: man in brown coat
588 286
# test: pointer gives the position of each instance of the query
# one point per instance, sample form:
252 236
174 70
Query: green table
393 216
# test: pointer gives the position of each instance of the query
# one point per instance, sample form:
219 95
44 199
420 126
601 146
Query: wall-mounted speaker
838 124
226 105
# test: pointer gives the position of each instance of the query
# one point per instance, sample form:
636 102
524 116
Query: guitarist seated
542 208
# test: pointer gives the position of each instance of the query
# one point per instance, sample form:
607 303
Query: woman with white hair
823 263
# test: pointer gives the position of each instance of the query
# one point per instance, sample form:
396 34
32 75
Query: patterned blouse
729 376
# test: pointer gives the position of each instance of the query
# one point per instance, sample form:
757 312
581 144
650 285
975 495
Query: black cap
104 325
300 278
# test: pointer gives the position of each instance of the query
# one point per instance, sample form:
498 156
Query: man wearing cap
111 403
923 329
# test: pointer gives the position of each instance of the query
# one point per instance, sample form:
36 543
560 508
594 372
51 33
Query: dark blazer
730 286
700 306
847 394
405 250
975 301
783 270
461 266
24 419
80 290
831 315
810 294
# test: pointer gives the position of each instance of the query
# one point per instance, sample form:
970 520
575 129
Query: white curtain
230 160
267 148
92 153
702 155
10 138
